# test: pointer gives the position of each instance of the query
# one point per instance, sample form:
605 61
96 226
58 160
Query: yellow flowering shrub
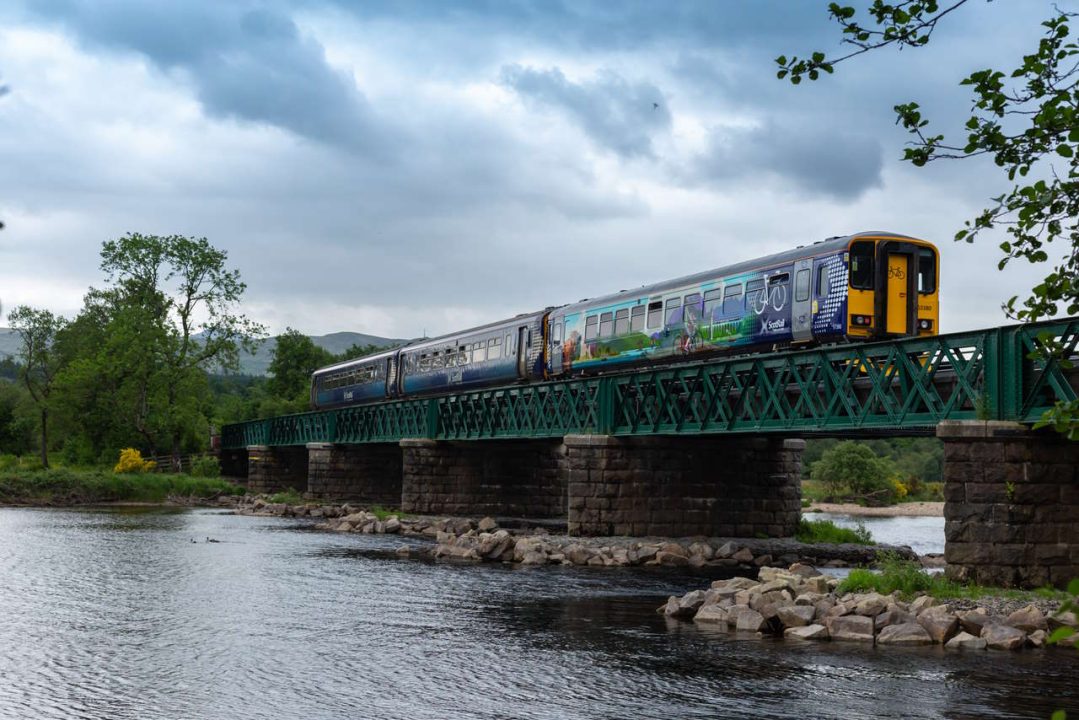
131 462
900 489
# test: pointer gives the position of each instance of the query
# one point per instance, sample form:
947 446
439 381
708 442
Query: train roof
514 321
832 244
380 355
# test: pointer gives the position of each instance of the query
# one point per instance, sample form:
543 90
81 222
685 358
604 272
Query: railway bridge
714 448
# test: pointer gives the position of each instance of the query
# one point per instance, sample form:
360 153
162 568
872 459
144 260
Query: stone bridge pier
368 474
274 468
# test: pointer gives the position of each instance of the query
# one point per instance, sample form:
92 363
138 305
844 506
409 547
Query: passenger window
693 306
712 300
462 355
558 332
672 310
436 361
822 281
494 348
655 314
479 352
621 322
636 319
801 286
732 299
927 271
590 326
861 265
606 324
756 295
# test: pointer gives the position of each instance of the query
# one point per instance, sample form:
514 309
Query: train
854 288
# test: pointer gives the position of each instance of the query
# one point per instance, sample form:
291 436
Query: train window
590 326
693 305
712 300
621 321
436 360
425 363
732 299
636 320
861 265
462 355
801 285
927 271
672 309
756 295
479 352
556 334
494 348
822 280
655 313
509 343
606 324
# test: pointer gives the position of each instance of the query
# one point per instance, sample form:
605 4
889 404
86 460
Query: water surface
117 614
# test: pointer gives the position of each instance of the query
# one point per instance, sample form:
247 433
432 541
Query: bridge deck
895 387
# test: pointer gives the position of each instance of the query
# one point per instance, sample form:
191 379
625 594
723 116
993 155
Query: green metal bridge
902 386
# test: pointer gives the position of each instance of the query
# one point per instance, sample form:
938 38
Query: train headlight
861 320
925 324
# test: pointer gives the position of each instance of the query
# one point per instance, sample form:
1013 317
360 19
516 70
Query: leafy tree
358 351
1025 119
295 357
16 425
852 467
40 364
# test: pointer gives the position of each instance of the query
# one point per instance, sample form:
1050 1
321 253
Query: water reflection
116 614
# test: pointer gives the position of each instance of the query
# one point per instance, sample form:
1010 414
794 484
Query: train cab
892 287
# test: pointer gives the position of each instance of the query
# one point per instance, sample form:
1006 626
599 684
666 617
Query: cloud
616 114
246 63
825 161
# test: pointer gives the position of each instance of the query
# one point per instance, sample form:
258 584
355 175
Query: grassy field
65 486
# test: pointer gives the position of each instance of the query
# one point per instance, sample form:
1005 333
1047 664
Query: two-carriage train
868 286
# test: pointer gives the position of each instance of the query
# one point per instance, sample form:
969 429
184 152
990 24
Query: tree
38 330
168 316
1027 120
853 467
295 357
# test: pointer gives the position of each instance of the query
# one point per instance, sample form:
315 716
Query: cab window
801 286
927 271
861 265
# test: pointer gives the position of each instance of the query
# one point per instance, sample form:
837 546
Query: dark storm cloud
246 62
820 160
616 114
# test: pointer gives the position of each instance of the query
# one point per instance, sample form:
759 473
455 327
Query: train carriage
367 379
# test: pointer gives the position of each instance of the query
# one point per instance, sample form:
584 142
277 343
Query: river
116 613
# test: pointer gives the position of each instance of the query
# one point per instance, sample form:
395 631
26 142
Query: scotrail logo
777 324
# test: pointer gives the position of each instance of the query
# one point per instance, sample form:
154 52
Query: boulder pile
799 603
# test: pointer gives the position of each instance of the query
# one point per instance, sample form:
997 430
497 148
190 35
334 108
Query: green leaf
1065 151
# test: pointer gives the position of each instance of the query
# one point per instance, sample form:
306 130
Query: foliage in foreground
826 531
67 487
288 497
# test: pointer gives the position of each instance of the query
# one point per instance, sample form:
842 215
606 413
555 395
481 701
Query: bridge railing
906 384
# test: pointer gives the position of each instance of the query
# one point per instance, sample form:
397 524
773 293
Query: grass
910 579
288 497
67 486
382 512
826 531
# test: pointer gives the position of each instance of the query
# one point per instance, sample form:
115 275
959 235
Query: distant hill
253 364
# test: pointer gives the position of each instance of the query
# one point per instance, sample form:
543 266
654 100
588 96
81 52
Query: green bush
826 531
206 466
853 470
288 497
8 462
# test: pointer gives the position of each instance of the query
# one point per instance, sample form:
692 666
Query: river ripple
117 614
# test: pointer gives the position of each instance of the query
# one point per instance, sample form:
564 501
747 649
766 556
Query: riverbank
911 509
799 603
483 540
68 487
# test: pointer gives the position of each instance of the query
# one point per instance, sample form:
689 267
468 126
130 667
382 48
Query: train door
554 358
802 305
391 375
897 294
523 341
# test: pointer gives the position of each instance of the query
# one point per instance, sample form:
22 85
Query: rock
909 633
1038 638
779 598
671 559
1028 619
392 526
534 557
1003 637
965 641
487 524
685 606
578 554
774 586
871 605
735 583
1062 618
818 584
726 550
809 598
803 571
344 527
674 549
750 620
809 632
892 616
921 603
703 549
856 628
762 560
939 622
796 615
646 553
973 621
713 613
403 550
743 556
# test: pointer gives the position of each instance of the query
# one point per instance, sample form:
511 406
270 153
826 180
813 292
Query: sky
421 166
